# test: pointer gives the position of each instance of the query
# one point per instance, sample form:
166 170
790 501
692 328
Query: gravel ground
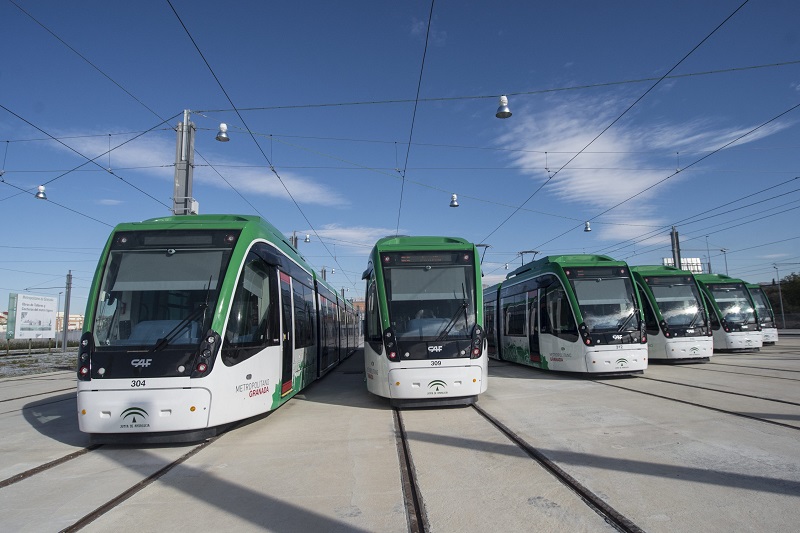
22 364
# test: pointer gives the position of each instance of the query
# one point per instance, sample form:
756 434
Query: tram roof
574 260
259 226
660 270
710 279
405 242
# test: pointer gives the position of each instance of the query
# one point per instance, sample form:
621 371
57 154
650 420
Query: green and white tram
675 318
196 322
423 326
734 322
574 313
766 316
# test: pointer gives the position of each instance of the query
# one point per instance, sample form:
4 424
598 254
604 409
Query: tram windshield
763 308
153 296
431 297
678 300
733 302
605 297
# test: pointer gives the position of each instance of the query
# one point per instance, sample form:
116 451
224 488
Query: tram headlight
204 359
85 348
390 343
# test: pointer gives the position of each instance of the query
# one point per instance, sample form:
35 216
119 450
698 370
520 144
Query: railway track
708 407
415 507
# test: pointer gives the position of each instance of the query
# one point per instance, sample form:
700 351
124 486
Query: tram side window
372 320
533 305
304 315
559 313
489 323
253 320
650 321
712 313
515 316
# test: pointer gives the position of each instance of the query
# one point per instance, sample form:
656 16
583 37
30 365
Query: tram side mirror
110 298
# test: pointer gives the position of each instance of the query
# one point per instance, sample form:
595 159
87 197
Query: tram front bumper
435 383
143 410
617 358
689 348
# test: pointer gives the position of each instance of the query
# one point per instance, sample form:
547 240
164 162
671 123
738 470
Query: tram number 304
436 363
137 383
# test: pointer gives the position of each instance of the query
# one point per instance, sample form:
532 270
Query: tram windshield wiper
626 321
183 324
174 332
628 318
464 305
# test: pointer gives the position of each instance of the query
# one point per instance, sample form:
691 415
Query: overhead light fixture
40 193
454 201
506 266
586 227
222 134
503 111
308 238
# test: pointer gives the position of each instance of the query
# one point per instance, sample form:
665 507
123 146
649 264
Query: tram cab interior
418 319
140 318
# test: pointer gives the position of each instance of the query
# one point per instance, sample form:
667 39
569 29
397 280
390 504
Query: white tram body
769 335
576 313
676 320
734 322
194 323
423 337
766 316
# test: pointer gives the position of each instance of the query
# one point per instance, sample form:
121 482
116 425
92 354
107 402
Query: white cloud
361 238
108 201
155 157
619 164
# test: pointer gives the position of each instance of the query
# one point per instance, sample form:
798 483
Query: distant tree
790 291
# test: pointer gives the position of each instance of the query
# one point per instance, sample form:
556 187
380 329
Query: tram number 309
137 383
436 363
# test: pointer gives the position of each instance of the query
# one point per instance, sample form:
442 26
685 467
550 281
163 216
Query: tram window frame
304 315
372 332
712 313
564 325
516 316
650 318
532 303
261 324
490 323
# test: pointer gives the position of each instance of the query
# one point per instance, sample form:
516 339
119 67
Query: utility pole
182 201
725 255
708 251
780 296
676 248
66 309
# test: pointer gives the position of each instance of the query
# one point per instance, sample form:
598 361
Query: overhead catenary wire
613 122
252 136
414 117
89 160
697 161
694 218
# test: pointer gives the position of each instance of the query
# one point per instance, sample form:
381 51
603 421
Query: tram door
288 341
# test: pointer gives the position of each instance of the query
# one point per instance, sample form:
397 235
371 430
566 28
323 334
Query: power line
662 78
688 220
88 159
509 93
241 118
414 116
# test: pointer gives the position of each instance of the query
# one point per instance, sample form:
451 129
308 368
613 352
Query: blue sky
327 93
